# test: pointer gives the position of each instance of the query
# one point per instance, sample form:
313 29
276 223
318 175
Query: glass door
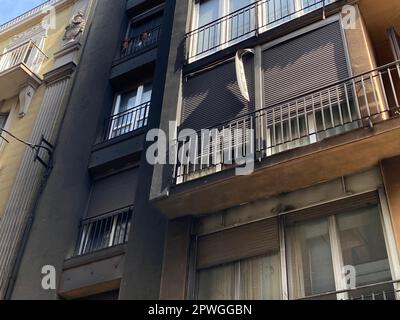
241 20
207 31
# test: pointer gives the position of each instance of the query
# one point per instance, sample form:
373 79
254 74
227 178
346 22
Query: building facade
96 192
292 191
273 175
39 53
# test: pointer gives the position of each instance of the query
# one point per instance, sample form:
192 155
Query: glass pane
217 283
207 37
363 246
310 259
128 101
260 278
208 11
279 11
146 97
239 24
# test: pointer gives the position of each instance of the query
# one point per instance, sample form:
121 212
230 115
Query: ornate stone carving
75 28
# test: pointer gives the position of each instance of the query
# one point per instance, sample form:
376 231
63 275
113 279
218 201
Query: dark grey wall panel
305 63
213 96
113 192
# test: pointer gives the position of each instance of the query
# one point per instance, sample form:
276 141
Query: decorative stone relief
25 98
76 27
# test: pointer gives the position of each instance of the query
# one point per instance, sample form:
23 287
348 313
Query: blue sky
10 9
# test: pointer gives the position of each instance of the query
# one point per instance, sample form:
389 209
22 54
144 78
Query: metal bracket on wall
48 148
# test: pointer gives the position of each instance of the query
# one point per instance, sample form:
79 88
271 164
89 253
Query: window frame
337 259
261 21
117 107
336 250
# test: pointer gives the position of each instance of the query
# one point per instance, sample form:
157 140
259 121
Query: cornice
29 15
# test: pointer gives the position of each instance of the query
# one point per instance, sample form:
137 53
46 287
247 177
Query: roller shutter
213 96
112 193
238 243
305 63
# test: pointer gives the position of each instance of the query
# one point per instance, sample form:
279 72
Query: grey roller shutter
334 207
213 96
305 63
238 243
112 193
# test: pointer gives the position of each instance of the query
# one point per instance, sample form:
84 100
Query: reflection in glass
310 260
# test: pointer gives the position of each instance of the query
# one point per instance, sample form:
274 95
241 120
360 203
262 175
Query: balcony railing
356 102
388 290
104 231
140 43
28 54
246 22
127 121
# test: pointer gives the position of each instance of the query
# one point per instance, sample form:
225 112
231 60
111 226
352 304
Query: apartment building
292 192
39 54
93 222
316 83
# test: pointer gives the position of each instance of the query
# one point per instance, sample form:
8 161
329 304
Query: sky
10 9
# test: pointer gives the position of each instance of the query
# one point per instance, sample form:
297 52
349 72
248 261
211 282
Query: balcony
357 102
18 67
378 291
104 231
320 135
127 121
140 43
242 24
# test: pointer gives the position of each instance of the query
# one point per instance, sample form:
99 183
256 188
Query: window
210 32
251 279
141 34
311 259
217 24
109 213
318 250
104 231
317 245
131 111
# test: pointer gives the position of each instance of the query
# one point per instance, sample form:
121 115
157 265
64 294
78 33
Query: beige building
39 55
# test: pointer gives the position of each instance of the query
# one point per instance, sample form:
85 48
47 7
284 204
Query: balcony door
131 111
293 114
217 23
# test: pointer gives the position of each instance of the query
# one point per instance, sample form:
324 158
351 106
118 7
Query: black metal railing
136 44
127 121
248 21
104 231
387 290
356 102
